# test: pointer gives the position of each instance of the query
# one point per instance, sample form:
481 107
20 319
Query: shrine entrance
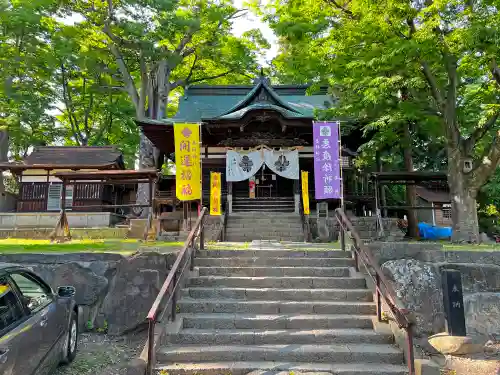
266 185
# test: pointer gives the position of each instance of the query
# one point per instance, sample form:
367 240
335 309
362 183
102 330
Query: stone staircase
278 226
270 312
283 204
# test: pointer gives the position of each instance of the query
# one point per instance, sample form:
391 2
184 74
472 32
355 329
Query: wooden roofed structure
110 178
249 116
40 190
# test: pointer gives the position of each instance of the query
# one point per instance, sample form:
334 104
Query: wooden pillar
184 216
230 197
63 196
381 190
296 195
47 190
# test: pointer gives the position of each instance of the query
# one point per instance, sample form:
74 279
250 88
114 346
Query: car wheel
71 340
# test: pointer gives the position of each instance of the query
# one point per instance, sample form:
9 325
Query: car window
34 294
10 309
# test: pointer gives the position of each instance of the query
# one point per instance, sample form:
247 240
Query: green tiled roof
232 102
236 115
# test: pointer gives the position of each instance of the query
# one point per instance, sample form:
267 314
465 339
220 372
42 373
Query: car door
14 327
45 314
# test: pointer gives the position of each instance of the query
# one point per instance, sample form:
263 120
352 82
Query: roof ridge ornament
262 78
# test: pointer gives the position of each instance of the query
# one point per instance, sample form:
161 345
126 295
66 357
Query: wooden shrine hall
259 117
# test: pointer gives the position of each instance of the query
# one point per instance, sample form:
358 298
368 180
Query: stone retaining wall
19 220
414 270
76 233
366 227
115 291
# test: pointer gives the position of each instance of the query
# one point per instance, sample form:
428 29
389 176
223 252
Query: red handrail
168 292
382 287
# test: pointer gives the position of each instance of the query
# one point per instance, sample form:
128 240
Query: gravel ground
100 354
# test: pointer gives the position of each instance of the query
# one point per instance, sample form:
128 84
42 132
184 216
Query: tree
441 52
162 46
26 93
94 109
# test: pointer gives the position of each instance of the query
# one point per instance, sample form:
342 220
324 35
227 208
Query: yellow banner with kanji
215 193
305 191
187 161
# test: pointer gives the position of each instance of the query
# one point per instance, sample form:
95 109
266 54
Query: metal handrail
382 287
168 292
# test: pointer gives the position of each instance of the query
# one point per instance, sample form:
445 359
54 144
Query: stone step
263 226
266 209
322 353
249 253
273 262
274 271
279 232
270 217
192 336
260 203
281 368
278 282
275 322
189 305
238 238
279 294
277 199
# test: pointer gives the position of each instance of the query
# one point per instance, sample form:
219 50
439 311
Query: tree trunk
463 202
4 151
411 194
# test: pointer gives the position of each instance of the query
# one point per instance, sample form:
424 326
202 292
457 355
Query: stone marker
453 300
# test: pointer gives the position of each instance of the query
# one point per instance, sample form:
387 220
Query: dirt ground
487 363
100 354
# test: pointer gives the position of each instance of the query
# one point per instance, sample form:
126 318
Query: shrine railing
165 304
383 289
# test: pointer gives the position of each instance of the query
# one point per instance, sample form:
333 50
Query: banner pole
340 167
201 170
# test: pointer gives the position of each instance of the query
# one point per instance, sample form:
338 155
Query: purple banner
327 180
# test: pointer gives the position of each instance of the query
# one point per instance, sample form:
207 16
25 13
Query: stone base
42 220
454 345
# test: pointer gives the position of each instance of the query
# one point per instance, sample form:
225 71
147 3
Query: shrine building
270 130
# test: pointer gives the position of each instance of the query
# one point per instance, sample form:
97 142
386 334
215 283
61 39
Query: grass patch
471 247
212 245
14 245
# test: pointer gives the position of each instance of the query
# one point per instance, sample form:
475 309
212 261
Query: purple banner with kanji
327 176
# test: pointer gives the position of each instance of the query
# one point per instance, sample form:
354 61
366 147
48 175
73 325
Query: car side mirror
66 291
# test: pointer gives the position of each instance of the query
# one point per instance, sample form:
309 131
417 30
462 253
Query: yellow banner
215 193
305 191
187 161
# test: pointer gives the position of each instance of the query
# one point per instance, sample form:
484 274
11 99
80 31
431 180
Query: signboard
187 162
453 299
305 192
215 193
327 174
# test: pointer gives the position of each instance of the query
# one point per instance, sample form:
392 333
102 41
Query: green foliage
78 73
428 64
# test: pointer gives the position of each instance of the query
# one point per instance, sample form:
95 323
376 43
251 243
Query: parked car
38 328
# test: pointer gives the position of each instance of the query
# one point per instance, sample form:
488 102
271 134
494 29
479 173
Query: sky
248 22
251 21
